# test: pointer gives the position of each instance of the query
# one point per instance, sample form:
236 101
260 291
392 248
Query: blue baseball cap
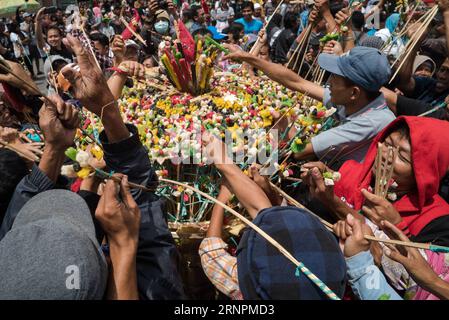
366 67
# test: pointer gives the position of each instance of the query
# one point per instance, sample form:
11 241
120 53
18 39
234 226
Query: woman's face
54 38
424 70
403 173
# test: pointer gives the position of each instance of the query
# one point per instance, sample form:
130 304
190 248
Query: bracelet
347 38
105 106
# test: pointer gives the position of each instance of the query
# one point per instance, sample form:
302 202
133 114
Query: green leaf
384 296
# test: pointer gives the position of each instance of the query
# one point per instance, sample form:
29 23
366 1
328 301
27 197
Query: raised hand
88 84
119 218
59 122
351 233
377 209
333 47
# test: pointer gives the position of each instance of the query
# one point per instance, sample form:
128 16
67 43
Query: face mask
161 27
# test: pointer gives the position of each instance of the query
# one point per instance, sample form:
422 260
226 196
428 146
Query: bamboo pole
416 39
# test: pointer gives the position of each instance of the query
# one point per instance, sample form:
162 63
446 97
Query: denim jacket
366 280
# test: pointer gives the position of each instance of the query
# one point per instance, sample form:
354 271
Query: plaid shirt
105 62
220 267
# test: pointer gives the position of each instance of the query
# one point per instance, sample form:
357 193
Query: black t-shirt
436 232
425 91
282 45
64 52
413 107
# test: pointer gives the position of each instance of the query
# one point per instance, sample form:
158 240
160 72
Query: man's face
340 92
2 28
247 13
103 50
54 38
443 77
200 18
258 12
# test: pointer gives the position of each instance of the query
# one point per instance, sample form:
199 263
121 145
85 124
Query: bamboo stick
416 39
138 37
329 226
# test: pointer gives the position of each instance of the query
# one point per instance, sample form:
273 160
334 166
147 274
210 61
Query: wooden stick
329 226
419 34
138 37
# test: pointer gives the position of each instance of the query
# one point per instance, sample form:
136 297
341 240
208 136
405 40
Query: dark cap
51 251
366 67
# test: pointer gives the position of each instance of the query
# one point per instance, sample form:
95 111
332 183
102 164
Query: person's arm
38 29
415 264
120 221
365 278
118 79
58 124
343 18
87 84
157 256
406 83
324 11
216 221
313 177
278 73
246 190
391 98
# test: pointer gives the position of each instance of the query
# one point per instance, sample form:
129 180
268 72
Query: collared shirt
354 133
220 266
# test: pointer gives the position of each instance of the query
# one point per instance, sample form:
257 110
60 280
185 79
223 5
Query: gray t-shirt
352 138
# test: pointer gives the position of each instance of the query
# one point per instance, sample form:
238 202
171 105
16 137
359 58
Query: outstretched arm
278 73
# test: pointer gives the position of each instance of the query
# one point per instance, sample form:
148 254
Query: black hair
371 95
194 10
335 7
53 28
237 26
58 64
12 169
248 4
290 20
403 130
358 19
235 33
187 14
100 37
201 31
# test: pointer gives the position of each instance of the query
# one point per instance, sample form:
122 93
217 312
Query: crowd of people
106 239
